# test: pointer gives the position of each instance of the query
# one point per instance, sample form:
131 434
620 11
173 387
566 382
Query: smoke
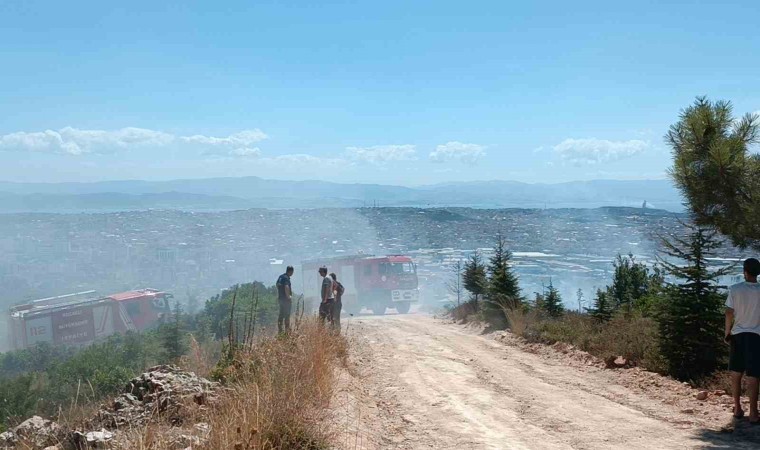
5 330
195 255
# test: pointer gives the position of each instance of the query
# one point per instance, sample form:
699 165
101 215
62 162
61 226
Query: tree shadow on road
739 434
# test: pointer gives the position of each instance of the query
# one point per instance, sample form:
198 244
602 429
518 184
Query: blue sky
410 93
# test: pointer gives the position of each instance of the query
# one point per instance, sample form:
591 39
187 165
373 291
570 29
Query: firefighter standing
285 299
327 295
338 305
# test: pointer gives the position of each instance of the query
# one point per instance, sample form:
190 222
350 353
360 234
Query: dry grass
464 311
276 396
520 321
634 337
719 381
201 359
281 391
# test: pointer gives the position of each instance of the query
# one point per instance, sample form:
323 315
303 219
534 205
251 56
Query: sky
391 92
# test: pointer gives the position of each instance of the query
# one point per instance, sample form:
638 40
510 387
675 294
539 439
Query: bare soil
418 382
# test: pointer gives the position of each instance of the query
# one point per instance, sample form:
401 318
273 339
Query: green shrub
636 338
572 328
633 337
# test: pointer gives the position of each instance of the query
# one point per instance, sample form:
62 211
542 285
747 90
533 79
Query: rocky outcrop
36 432
162 394
162 391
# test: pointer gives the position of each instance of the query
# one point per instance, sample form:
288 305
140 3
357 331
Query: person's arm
729 316
289 291
325 292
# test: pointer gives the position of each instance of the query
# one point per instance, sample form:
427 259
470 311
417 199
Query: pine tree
630 283
172 336
553 302
474 276
603 309
716 170
503 287
691 318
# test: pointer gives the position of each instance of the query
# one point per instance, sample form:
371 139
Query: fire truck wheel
403 307
378 309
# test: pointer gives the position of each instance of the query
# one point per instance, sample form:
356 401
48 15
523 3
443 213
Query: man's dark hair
333 276
752 267
323 269
289 269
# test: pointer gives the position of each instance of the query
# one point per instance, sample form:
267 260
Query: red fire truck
81 318
373 282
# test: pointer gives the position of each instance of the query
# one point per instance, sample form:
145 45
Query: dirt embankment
419 382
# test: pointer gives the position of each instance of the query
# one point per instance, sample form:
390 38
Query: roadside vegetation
667 318
277 392
55 381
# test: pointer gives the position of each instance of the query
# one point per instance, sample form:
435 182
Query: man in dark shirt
327 295
285 297
338 305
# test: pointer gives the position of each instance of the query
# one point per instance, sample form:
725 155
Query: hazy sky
401 92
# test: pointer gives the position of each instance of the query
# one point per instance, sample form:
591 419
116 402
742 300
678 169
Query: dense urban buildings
194 255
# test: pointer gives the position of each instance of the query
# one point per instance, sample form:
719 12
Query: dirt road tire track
423 383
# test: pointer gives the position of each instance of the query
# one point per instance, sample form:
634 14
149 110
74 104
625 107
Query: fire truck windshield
396 268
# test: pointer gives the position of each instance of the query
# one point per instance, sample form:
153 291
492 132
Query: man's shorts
745 354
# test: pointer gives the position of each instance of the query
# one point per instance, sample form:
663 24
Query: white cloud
250 152
458 151
245 138
597 151
304 160
379 154
75 141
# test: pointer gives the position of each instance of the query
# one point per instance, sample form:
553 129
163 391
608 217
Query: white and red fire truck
373 282
81 318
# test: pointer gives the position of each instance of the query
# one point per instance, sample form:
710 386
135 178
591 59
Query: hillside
254 192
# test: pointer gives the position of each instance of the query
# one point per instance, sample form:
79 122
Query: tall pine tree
691 317
716 169
172 336
553 302
503 287
474 276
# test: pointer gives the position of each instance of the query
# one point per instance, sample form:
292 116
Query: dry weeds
519 320
276 395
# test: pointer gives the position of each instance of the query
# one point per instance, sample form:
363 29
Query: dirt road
419 382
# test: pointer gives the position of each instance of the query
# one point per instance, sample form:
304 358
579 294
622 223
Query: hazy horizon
306 179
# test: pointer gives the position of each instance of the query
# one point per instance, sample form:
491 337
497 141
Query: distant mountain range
255 192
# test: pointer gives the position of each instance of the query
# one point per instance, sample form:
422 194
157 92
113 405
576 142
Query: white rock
98 439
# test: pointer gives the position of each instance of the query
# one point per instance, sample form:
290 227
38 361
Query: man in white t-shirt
743 335
327 294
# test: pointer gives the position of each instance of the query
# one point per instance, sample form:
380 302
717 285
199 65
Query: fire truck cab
373 282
